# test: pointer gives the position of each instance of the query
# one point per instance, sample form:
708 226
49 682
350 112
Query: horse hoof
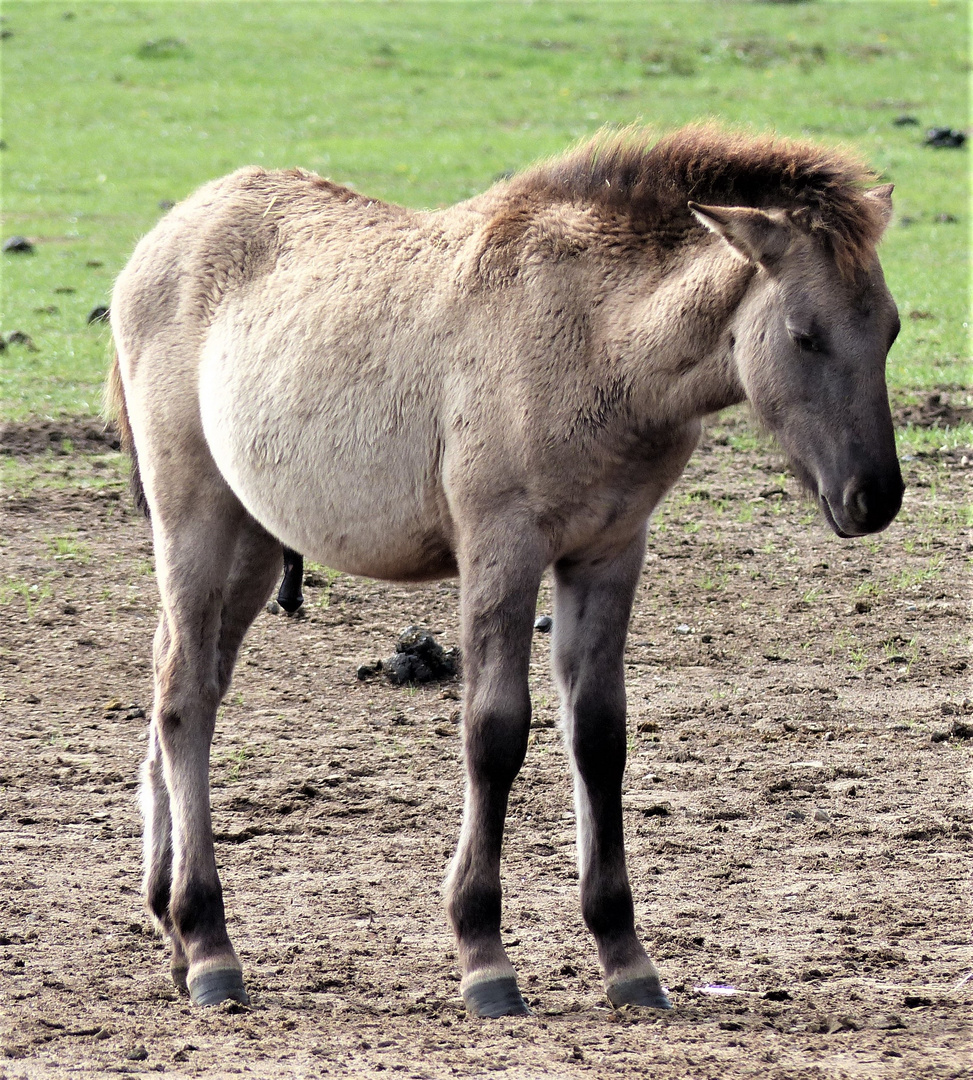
645 992
212 987
495 997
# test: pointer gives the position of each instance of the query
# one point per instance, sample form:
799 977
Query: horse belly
345 478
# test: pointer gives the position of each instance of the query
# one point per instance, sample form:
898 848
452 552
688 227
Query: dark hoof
212 987
495 997
645 992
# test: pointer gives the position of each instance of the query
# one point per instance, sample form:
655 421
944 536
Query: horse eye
807 342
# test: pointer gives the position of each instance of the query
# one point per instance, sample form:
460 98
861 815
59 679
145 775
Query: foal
489 390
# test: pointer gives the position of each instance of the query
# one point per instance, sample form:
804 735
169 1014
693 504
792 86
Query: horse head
810 342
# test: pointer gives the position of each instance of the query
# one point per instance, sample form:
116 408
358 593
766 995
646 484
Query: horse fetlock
197 914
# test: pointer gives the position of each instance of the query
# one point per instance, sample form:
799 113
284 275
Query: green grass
110 108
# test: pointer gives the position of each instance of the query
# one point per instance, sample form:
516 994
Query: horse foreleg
498 598
592 604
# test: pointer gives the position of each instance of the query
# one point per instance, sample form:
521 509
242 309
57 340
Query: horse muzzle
863 506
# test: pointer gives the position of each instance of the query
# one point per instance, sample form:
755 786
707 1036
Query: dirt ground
798 809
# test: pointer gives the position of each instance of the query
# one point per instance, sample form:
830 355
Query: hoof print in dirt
419 658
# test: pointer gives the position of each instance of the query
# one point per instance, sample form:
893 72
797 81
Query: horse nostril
857 504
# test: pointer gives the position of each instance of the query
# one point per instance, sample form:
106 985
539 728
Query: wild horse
489 390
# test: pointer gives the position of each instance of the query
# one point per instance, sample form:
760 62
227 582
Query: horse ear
882 197
758 235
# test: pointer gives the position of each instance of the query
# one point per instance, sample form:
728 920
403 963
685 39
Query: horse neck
669 334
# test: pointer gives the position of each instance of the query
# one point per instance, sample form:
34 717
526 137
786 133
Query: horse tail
116 409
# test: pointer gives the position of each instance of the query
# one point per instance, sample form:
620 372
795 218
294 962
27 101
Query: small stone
137 1053
886 1022
795 815
821 815
543 624
777 995
18 245
682 628
273 608
915 1001
842 1023
99 313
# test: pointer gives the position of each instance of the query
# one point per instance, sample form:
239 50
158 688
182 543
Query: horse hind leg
592 607
215 571
256 566
157 846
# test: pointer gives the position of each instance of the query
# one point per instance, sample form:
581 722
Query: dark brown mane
650 185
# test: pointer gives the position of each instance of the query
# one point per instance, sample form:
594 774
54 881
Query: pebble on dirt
419 658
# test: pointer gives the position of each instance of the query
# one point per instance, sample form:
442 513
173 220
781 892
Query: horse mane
648 186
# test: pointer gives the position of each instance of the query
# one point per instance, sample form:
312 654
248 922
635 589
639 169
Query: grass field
113 108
